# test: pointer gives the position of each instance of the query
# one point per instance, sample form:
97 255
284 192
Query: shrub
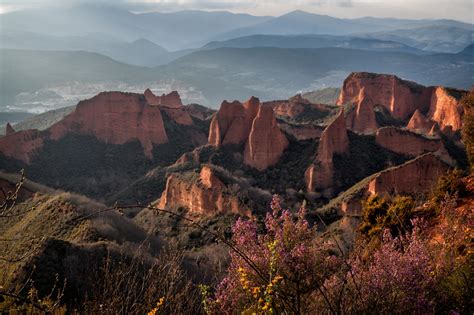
380 213
276 271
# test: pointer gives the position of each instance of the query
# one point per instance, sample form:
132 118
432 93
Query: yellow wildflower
155 310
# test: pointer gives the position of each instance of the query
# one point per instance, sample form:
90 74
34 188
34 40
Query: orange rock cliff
319 175
409 143
251 124
402 99
117 118
112 117
205 195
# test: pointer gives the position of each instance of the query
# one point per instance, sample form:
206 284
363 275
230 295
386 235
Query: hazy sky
452 9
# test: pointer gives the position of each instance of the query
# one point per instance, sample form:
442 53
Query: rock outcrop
251 124
294 107
116 118
171 104
319 175
416 176
361 119
401 98
409 143
266 142
9 130
171 100
404 99
413 177
445 109
22 145
206 195
233 122
419 123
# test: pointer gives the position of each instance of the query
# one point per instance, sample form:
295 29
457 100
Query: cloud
453 9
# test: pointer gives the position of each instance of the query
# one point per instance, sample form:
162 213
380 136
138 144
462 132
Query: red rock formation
117 118
266 142
209 179
409 143
400 97
171 104
9 130
416 176
445 109
362 118
206 196
319 175
22 145
419 123
172 100
293 106
233 122
179 115
251 124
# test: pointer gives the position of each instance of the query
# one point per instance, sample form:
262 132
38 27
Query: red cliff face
206 196
419 123
266 142
22 145
408 143
445 109
333 140
117 118
171 104
416 176
233 122
9 130
361 119
400 97
172 100
253 125
403 99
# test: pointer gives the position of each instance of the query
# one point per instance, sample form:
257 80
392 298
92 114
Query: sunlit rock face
205 195
319 175
401 98
171 104
253 125
266 142
416 176
404 100
116 118
409 143
445 109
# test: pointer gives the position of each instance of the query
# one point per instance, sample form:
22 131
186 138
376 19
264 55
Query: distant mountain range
192 29
313 41
176 30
